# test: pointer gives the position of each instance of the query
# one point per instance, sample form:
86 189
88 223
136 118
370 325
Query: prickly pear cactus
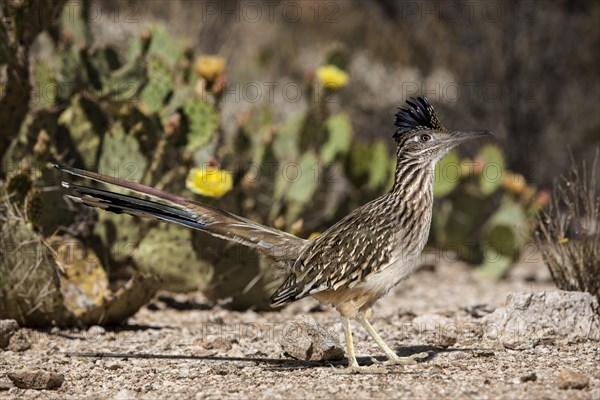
160 84
202 123
83 131
237 273
167 252
29 282
447 175
483 211
340 136
121 156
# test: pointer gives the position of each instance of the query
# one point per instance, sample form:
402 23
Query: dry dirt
181 347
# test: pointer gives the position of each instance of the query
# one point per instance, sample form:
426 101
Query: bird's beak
458 137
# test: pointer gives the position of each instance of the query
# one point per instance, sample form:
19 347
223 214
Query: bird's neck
411 200
412 177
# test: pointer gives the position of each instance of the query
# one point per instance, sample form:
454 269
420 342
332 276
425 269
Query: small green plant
569 229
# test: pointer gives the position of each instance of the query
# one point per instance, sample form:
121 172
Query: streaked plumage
354 262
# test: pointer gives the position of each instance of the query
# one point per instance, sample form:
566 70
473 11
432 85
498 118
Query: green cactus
447 175
167 252
159 85
285 147
29 282
45 84
69 79
482 219
237 273
166 45
379 171
202 122
508 229
339 130
491 178
301 181
121 156
73 25
369 164
83 132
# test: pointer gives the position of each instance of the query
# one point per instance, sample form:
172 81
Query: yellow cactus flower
209 67
209 181
563 240
332 77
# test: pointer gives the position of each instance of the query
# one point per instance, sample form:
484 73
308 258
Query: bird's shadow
274 363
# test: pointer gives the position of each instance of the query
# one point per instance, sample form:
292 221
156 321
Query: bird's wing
345 254
270 242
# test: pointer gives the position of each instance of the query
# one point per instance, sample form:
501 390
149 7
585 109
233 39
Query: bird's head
421 136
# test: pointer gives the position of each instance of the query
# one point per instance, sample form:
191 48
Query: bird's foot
410 360
358 369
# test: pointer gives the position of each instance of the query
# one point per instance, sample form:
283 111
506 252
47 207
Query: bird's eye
425 137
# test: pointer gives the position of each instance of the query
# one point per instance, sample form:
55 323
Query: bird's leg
393 358
349 342
353 367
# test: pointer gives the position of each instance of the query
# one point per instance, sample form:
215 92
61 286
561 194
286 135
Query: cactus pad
166 251
202 123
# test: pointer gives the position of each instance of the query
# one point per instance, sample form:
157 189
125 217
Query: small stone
113 366
569 379
483 353
125 394
304 339
479 310
5 384
95 330
7 328
19 342
532 377
146 388
221 344
226 369
37 379
217 345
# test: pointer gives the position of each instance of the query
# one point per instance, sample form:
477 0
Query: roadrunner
350 265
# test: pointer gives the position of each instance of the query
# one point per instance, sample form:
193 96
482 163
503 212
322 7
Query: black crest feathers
418 115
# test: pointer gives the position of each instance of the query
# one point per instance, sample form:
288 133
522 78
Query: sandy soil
181 347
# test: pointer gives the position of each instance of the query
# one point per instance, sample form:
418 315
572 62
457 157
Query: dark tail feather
119 203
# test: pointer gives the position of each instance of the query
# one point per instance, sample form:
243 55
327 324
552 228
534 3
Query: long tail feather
272 243
118 203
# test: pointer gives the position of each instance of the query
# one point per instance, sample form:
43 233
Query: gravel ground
181 347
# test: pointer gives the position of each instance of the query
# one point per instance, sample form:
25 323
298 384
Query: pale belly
360 297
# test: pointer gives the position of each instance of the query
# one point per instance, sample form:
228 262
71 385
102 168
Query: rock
113 366
532 377
125 394
18 342
7 328
225 369
437 329
479 310
5 384
304 339
37 379
569 379
548 317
